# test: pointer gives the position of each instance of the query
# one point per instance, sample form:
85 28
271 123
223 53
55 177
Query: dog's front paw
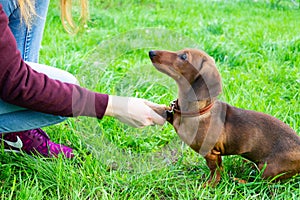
159 109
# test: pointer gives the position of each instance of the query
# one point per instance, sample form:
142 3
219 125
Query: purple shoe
36 142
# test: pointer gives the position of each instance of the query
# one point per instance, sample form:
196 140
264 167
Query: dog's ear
207 84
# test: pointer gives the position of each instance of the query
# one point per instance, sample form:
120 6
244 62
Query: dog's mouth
157 59
154 57
163 65
152 54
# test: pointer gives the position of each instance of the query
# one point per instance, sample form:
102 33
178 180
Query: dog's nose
152 54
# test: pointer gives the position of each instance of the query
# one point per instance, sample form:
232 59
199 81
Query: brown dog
214 128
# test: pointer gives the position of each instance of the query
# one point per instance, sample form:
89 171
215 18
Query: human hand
133 111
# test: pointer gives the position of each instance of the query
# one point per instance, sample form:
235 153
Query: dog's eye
183 56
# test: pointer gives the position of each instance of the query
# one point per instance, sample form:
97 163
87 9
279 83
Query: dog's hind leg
278 170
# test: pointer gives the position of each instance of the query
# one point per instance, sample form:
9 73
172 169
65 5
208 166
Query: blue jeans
28 40
14 118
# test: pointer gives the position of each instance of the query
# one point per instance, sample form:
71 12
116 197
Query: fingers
146 117
156 118
142 114
159 109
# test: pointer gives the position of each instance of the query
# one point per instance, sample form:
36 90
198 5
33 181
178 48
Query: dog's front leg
214 162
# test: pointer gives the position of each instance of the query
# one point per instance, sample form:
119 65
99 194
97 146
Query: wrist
114 106
108 111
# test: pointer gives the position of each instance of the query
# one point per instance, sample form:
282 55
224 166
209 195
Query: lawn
256 45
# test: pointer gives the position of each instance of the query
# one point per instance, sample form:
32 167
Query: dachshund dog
213 128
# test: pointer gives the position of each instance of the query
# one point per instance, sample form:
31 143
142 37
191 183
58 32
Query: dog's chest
192 130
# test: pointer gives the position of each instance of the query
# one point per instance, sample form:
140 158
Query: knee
54 73
69 78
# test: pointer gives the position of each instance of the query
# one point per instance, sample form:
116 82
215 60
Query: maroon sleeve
22 86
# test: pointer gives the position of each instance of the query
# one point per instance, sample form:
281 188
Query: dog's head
193 70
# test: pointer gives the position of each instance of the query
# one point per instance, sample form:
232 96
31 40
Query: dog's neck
189 105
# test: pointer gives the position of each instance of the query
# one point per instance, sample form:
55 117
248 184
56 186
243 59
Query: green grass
256 46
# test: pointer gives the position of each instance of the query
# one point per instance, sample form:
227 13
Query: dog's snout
152 54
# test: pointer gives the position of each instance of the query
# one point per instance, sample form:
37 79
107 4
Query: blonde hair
27 8
67 18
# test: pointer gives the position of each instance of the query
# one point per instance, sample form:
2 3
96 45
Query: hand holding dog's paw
133 111
158 108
